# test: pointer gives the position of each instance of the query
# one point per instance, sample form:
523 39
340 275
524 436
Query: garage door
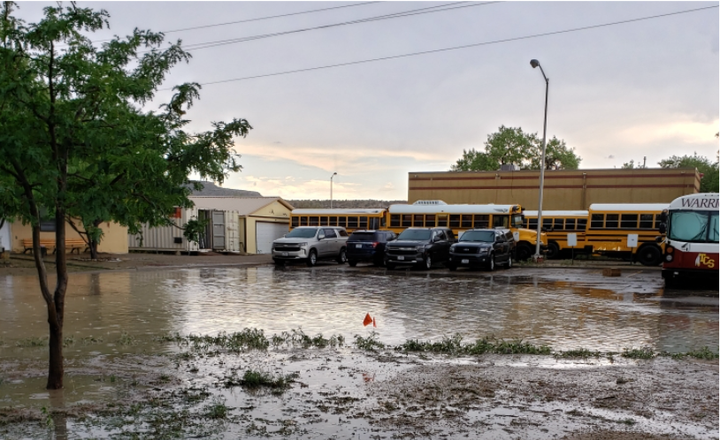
265 233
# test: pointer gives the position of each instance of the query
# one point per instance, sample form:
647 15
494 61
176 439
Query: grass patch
126 339
638 353
32 342
582 353
370 343
703 353
453 345
254 380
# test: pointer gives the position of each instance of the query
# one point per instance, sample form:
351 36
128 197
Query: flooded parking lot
116 321
564 309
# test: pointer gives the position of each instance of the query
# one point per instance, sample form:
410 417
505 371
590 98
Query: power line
426 52
409 13
254 19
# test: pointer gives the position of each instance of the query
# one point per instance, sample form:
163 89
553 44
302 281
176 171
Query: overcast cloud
646 89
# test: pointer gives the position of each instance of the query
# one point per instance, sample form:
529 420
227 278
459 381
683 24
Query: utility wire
254 19
412 12
426 52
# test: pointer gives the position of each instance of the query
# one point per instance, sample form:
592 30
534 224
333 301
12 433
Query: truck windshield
694 226
414 234
479 236
301 233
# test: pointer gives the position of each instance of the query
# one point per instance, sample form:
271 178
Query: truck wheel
649 255
523 251
509 263
491 263
428 263
553 250
342 256
312 258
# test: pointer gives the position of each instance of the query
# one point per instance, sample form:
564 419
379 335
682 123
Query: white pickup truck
310 244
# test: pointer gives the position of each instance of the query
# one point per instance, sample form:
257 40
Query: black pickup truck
420 247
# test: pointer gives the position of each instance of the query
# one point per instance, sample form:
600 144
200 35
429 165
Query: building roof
242 205
212 190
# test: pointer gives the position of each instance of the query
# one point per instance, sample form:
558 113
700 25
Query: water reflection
115 312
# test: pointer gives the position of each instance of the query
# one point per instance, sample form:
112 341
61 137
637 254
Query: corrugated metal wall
170 238
564 189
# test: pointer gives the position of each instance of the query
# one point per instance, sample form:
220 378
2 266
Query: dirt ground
24 264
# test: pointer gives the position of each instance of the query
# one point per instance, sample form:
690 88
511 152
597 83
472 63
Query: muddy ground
353 391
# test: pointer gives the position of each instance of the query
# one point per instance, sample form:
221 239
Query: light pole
331 182
536 257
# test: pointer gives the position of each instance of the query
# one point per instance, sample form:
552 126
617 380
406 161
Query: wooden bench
74 244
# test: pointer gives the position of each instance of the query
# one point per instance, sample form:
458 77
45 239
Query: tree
76 141
513 146
709 170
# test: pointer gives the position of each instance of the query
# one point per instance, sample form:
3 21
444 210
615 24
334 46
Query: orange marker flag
368 320
374 325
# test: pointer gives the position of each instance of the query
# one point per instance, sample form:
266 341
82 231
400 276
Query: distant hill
343 204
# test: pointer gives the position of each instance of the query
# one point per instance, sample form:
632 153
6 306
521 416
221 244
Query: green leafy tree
513 146
76 141
708 169
632 165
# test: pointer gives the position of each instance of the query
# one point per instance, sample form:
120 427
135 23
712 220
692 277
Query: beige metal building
564 189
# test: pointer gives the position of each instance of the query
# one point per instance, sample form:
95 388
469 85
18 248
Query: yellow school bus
436 213
557 225
625 230
350 219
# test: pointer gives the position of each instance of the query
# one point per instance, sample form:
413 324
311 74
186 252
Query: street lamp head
334 174
534 63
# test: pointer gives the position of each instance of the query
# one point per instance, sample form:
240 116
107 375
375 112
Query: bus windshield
414 234
479 236
694 226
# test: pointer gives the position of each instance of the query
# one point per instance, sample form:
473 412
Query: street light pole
331 183
536 257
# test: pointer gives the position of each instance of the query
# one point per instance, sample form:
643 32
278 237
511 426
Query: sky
622 85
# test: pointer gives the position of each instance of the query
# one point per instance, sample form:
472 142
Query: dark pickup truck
482 248
420 247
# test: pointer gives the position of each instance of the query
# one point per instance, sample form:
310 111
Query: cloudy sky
628 81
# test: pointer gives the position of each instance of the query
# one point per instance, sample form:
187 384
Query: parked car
419 246
482 248
368 246
310 244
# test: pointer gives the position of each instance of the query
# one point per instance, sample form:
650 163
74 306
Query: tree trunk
93 249
56 307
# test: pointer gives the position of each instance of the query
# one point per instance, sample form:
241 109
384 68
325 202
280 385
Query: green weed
638 353
216 410
370 343
126 339
583 353
32 342
257 379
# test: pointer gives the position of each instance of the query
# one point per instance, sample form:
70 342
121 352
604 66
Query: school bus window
332 221
352 222
407 220
395 220
646 221
418 220
612 221
547 223
569 224
363 222
313 221
500 221
657 222
303 221
295 222
430 220
481 221
597 220
629 221
532 224
442 220
558 224
581 224
455 221
466 221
